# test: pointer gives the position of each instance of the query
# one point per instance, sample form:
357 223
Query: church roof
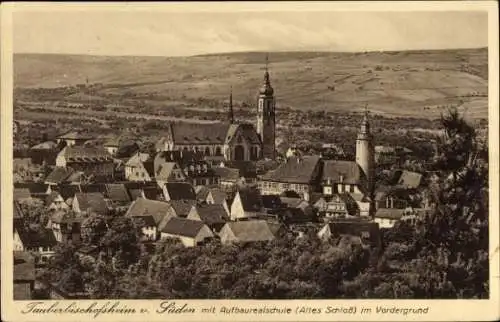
214 133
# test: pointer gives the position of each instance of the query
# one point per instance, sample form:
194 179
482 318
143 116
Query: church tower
266 117
230 113
365 154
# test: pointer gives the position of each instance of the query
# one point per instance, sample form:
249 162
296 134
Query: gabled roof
22 193
67 190
86 154
295 170
410 179
51 197
36 238
291 202
164 170
34 187
182 158
389 213
92 200
356 228
347 172
183 227
117 192
144 207
182 207
180 190
17 211
201 192
190 133
48 145
136 193
212 214
251 200
59 175
218 195
227 174
152 193
250 231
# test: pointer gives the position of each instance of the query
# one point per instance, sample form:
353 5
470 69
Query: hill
411 83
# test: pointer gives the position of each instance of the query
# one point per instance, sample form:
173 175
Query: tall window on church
207 151
239 153
218 151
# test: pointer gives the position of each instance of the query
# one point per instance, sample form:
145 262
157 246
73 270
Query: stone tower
266 117
365 154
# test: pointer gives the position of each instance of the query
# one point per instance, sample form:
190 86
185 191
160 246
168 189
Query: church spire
231 112
267 89
365 125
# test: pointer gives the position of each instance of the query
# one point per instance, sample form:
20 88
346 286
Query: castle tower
230 113
365 154
266 117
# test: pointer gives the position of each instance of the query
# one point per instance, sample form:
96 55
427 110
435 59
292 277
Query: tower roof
266 89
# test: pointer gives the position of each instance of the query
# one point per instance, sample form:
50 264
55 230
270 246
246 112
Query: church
230 140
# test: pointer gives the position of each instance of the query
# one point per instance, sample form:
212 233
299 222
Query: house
336 206
127 149
74 138
298 174
214 216
367 231
112 145
67 191
89 160
247 204
58 175
140 167
24 276
44 153
409 179
89 202
190 232
37 189
117 196
388 217
229 177
39 242
342 176
212 196
169 172
152 215
201 173
178 191
65 226
21 194
246 231
233 141
247 169
55 201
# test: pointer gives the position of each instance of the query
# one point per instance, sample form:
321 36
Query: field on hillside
406 84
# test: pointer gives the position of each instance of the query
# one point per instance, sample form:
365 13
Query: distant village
226 182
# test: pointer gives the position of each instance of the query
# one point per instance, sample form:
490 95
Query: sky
147 33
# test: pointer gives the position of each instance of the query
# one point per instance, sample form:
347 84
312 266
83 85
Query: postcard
250 161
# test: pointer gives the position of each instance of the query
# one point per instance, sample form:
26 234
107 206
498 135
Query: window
218 151
365 234
207 151
351 188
